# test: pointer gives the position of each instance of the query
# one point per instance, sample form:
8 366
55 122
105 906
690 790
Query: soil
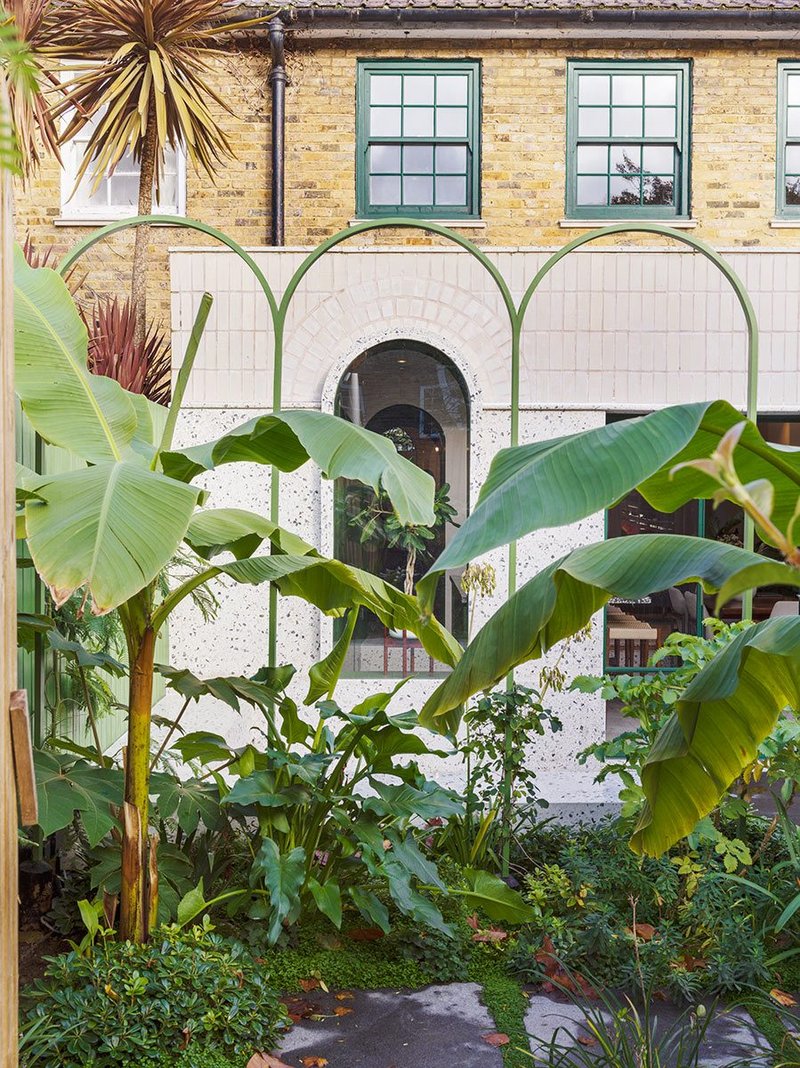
34 946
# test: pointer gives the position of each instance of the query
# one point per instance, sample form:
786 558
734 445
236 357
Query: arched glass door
414 396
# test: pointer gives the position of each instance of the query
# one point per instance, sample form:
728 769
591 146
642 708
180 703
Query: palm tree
23 71
142 81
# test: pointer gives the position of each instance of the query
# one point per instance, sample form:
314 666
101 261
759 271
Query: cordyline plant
139 366
144 84
110 527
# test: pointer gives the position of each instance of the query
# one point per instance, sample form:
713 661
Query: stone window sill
85 221
787 223
454 224
597 224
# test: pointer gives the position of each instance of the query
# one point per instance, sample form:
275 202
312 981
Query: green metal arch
698 246
96 236
516 314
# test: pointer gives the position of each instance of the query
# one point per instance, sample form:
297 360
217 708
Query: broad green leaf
492 896
406 852
335 587
283 876
205 747
370 907
188 801
405 801
552 483
560 600
84 657
715 731
343 450
90 415
191 904
259 789
408 900
324 675
65 786
112 528
328 899
755 459
241 533
232 689
765 573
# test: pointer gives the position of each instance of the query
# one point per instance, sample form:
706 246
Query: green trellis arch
516 315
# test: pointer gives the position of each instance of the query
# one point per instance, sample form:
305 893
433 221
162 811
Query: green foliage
124 1003
338 813
698 930
500 790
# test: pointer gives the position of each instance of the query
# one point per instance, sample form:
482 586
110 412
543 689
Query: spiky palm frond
146 64
25 35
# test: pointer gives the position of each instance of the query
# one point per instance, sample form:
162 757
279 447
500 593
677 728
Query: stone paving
731 1035
438 1027
447 1026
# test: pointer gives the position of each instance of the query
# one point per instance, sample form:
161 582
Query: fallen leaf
340 1010
496 1038
587 1040
299 1009
265 1060
329 940
494 934
783 999
344 995
473 921
313 1062
365 934
310 984
645 931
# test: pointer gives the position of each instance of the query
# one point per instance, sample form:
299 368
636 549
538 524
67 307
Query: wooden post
8 653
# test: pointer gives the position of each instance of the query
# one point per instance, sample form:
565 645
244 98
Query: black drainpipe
277 81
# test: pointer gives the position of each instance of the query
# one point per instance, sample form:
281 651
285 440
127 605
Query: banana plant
111 526
673 456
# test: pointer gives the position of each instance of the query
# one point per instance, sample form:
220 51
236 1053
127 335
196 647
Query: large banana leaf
551 483
240 532
334 587
90 415
288 439
715 731
563 598
111 527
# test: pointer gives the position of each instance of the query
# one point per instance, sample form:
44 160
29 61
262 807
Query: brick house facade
689 109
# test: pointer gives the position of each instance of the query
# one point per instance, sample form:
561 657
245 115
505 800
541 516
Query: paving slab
437 1027
731 1036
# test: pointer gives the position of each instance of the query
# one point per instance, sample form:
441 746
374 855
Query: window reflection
635 629
413 396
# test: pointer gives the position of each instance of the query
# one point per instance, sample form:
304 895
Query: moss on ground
505 999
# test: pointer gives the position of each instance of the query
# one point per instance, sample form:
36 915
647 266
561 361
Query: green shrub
126 1004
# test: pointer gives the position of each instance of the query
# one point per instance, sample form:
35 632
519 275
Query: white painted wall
622 329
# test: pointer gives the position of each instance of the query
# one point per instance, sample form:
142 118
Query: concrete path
731 1036
438 1027
447 1027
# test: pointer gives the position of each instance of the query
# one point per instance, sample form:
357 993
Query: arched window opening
414 396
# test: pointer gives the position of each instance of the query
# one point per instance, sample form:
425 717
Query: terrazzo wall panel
617 329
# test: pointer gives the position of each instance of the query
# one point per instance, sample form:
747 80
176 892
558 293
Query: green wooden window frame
628 139
787 201
418 139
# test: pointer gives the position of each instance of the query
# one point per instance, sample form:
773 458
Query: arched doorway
415 396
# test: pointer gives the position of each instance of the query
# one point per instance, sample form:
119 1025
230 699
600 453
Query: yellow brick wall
523 152
523 139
